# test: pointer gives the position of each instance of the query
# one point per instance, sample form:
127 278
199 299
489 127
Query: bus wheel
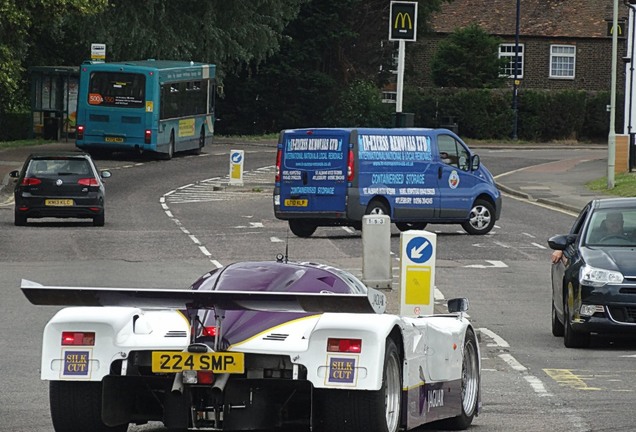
301 228
168 156
197 151
405 226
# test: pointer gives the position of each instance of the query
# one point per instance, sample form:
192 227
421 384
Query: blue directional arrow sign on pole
419 250
236 157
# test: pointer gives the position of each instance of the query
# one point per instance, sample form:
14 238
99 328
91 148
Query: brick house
564 44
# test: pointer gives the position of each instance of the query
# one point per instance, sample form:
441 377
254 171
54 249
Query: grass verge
624 185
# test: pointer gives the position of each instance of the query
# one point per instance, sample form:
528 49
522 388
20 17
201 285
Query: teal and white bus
158 106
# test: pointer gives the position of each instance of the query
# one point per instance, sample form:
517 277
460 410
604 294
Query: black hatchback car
61 185
594 282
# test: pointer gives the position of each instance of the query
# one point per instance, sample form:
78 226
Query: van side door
455 179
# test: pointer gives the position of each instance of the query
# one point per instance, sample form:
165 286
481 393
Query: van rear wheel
302 228
377 207
405 226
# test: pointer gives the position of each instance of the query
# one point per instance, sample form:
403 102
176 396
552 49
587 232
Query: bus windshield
117 89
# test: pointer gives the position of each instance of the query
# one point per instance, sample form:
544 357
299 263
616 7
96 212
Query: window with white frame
507 51
562 61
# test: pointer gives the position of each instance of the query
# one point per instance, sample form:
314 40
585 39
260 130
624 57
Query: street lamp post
611 139
515 84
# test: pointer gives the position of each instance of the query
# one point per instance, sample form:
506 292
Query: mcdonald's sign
403 21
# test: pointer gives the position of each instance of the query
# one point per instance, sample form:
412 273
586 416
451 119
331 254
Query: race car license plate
59 202
219 362
296 202
114 139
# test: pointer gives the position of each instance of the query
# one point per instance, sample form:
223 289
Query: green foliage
467 58
624 185
360 105
487 114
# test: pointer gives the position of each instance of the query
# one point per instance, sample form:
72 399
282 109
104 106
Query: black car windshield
616 227
56 167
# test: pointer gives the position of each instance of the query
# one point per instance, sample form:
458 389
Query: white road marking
528 235
538 245
513 363
493 264
275 240
349 229
499 341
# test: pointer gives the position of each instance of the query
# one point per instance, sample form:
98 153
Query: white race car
255 345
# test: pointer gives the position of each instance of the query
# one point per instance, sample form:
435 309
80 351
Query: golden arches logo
403 16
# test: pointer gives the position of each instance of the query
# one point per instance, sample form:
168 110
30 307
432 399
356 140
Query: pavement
558 184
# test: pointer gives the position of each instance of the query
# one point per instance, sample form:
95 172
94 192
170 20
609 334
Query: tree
330 45
468 58
20 24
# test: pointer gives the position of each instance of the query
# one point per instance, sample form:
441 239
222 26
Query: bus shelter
53 101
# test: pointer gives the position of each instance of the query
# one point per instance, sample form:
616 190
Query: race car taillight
205 377
79 132
279 156
30 181
92 181
350 167
208 331
344 345
78 338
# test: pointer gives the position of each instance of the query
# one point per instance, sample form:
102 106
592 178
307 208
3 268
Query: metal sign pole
400 75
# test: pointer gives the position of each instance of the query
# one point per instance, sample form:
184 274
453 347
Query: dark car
594 282
61 185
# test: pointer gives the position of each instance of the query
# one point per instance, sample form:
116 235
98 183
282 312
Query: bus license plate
58 202
218 362
114 139
296 202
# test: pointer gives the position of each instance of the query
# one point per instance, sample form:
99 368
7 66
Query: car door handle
439 173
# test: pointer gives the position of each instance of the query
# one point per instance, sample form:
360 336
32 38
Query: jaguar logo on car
58 182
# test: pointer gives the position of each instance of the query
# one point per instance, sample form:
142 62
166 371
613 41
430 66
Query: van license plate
218 362
296 202
58 202
114 139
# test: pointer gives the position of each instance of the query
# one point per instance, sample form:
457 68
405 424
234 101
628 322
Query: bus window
117 89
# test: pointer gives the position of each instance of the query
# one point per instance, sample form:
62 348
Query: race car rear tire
368 411
77 407
470 386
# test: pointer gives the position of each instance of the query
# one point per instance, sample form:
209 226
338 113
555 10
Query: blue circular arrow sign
419 250
236 157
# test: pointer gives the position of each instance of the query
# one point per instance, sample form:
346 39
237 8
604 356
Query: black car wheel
481 218
99 219
571 338
557 326
19 219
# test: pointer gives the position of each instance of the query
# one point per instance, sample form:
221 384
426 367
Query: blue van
329 177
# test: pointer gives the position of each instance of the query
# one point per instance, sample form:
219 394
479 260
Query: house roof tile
547 18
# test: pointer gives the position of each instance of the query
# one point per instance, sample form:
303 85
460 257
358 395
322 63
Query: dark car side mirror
560 242
457 305
475 162
14 174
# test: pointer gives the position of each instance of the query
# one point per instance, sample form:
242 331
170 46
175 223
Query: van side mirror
474 166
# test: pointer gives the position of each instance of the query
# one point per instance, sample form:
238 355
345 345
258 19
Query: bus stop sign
403 21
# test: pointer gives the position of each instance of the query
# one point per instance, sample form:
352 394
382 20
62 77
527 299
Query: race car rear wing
372 302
